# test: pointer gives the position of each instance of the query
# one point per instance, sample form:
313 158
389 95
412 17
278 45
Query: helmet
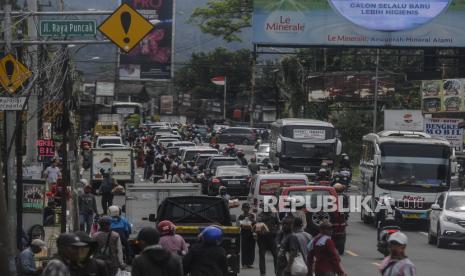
212 235
104 222
222 190
113 211
324 165
166 227
339 187
322 171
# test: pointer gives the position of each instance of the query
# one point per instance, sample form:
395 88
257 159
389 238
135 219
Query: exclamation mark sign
126 23
9 69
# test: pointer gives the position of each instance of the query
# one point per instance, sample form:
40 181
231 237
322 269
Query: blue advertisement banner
152 58
376 23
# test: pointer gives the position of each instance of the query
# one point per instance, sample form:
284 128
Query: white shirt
52 174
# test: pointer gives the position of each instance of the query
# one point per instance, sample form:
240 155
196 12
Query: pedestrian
120 225
253 166
154 259
52 173
87 209
105 189
266 229
397 263
169 240
109 248
323 254
158 170
207 258
178 177
27 265
303 237
148 163
49 213
70 247
288 247
246 221
90 265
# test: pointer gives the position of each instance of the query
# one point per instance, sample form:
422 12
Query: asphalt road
362 258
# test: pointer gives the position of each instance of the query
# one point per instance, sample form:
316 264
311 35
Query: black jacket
155 260
205 260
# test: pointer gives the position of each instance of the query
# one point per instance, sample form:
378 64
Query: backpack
104 254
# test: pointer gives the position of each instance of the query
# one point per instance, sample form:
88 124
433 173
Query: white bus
128 108
409 168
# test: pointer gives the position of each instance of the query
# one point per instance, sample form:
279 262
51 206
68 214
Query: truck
109 124
119 162
192 214
301 145
142 200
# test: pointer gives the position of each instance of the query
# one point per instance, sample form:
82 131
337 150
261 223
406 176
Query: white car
263 154
108 140
447 219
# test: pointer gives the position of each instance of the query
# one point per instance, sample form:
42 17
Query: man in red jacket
323 254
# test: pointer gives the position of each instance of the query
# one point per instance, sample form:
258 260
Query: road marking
423 233
351 253
376 264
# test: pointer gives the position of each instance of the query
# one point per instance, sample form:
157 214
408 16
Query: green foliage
132 120
224 18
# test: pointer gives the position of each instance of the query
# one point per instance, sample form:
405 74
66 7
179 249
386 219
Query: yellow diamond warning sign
12 73
125 27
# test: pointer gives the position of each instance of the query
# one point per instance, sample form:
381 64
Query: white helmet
84 182
113 211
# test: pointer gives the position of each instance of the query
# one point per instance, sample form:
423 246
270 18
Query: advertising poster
122 164
407 120
443 95
102 160
447 129
152 58
33 195
420 23
166 104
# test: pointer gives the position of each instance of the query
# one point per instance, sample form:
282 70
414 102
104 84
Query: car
237 135
164 141
173 147
447 219
269 184
108 140
235 178
188 154
262 154
201 160
167 135
317 194
216 161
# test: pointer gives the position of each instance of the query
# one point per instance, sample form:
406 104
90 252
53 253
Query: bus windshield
304 150
410 165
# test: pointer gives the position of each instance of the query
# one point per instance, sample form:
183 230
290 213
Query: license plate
234 182
412 216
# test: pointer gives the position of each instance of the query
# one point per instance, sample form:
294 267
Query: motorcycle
387 225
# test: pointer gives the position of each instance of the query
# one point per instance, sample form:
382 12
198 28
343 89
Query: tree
225 18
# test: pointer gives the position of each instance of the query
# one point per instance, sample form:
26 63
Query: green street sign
64 28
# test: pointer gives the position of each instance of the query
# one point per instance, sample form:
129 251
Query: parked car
235 178
447 219
314 219
237 135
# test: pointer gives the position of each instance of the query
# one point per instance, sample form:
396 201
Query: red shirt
323 253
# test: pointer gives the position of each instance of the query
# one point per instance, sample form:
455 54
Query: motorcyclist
323 175
340 190
241 157
345 162
230 150
326 167
253 166
120 225
223 193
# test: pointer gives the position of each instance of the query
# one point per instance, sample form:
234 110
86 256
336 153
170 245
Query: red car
314 219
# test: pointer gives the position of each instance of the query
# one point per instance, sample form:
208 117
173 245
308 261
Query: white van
268 184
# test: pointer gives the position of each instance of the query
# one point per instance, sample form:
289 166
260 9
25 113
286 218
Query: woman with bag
290 259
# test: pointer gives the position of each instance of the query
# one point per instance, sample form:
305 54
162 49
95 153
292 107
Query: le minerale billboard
151 60
406 23
443 95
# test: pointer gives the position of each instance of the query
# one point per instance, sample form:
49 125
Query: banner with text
447 129
151 59
443 95
413 23
408 120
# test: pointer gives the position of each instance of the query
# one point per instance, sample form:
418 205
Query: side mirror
338 147
436 207
152 218
377 160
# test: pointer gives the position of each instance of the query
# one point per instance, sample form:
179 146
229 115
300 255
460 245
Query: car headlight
451 219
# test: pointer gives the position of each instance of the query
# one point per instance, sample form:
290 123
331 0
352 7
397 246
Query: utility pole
252 86
375 103
66 127
33 102
10 120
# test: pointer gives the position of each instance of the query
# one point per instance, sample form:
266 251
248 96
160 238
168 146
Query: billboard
151 59
412 23
443 95
447 129
166 104
409 120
